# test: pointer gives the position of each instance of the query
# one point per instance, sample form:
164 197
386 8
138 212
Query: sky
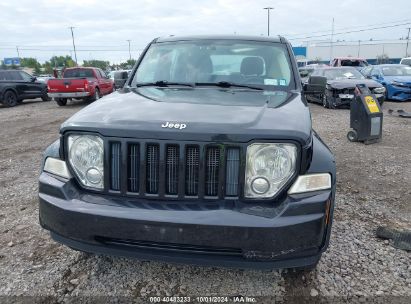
40 28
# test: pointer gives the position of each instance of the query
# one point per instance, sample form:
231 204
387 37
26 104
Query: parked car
80 83
206 156
305 72
44 77
355 62
396 79
16 86
406 61
341 83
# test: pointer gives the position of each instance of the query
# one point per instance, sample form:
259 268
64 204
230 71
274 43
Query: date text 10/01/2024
212 299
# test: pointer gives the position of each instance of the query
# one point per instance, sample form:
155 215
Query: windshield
396 71
338 74
354 63
78 73
212 61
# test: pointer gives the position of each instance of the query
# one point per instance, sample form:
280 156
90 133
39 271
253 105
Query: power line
348 27
355 31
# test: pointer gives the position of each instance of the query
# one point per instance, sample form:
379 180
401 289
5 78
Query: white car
406 61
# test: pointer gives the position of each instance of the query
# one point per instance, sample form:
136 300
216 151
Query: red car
80 83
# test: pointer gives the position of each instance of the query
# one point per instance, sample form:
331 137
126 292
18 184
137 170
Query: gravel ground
374 188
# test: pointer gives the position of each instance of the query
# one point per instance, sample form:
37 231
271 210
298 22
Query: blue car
396 78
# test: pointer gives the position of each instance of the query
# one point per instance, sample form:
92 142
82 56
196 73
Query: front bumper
293 233
69 95
399 93
346 99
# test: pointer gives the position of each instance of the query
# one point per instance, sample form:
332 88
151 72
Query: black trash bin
365 117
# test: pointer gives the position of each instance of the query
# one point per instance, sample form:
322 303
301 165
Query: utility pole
408 40
74 46
129 50
331 42
268 21
18 53
359 47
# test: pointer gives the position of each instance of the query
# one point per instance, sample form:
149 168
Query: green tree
29 62
97 64
62 61
48 68
128 64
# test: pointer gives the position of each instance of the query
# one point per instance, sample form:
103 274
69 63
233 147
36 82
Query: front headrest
252 66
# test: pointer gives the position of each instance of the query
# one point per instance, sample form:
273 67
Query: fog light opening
260 185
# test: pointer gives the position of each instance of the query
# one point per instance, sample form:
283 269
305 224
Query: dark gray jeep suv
206 156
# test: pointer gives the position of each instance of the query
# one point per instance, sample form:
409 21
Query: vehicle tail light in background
86 84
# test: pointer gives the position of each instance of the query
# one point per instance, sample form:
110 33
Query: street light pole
268 17
18 53
74 46
359 47
408 40
331 42
129 50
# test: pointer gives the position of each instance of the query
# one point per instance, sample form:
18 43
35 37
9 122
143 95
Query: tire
10 99
96 95
61 101
326 103
385 94
352 136
45 98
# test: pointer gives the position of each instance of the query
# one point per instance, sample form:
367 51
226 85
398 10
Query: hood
351 83
404 79
209 114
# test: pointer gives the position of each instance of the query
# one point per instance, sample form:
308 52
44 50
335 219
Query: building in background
387 51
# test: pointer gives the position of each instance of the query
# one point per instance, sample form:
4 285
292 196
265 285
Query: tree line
67 62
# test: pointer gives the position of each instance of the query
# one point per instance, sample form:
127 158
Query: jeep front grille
173 170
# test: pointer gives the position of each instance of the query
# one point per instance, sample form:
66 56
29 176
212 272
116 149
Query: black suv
15 86
205 156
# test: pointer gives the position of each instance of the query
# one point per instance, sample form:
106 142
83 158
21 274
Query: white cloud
40 28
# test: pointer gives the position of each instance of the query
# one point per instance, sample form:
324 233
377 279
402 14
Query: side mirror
315 85
33 78
121 76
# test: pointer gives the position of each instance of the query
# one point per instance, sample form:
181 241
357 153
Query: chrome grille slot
172 166
232 171
212 171
152 168
133 167
192 170
115 160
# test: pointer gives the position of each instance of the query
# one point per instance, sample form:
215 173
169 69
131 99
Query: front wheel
10 99
61 101
45 98
352 136
326 103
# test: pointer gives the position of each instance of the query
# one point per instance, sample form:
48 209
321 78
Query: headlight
398 84
86 155
379 90
268 168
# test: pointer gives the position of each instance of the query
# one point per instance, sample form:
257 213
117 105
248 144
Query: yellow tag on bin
371 104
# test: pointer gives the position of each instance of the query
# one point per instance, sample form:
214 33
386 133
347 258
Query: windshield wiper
227 84
164 83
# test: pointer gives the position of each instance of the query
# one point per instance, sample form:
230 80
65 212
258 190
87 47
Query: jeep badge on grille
174 125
